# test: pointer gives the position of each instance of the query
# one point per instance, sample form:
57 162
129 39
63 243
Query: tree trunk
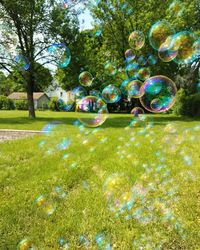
30 88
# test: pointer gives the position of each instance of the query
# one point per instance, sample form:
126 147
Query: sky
87 18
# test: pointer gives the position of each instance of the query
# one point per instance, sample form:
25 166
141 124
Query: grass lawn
132 188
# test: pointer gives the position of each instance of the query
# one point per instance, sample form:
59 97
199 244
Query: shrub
6 103
21 105
179 107
53 104
187 105
193 105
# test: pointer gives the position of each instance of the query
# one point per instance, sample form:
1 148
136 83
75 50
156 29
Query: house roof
23 95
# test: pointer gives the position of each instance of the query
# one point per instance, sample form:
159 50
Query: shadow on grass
118 121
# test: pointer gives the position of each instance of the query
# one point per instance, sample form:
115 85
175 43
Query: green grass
28 170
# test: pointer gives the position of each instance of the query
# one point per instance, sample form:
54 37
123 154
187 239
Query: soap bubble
95 92
123 86
142 60
167 51
86 79
26 244
91 111
110 68
60 54
22 62
159 33
111 94
159 94
79 92
129 55
152 59
65 104
136 40
176 8
46 205
184 42
132 70
198 87
135 89
137 111
144 73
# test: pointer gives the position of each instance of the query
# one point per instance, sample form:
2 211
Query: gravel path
9 134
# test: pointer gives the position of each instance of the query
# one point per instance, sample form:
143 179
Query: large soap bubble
159 94
136 40
159 33
26 244
91 111
111 94
86 79
60 54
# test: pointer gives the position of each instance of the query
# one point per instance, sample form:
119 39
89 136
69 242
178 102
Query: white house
55 90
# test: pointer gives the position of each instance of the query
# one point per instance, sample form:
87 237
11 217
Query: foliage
6 103
187 104
21 105
31 26
53 104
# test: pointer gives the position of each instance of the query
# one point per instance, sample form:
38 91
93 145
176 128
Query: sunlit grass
79 160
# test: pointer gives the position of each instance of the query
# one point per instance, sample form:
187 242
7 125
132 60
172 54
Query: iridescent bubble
136 40
144 73
159 93
86 79
184 42
79 92
22 62
132 70
196 47
111 94
95 92
152 59
135 89
60 54
129 55
159 33
137 111
176 8
123 86
167 51
65 104
198 87
139 121
142 60
110 68
48 207
91 111
26 244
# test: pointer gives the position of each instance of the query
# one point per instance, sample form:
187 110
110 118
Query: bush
21 105
6 103
179 107
53 104
187 105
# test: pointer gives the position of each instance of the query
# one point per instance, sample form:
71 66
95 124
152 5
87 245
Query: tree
32 26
